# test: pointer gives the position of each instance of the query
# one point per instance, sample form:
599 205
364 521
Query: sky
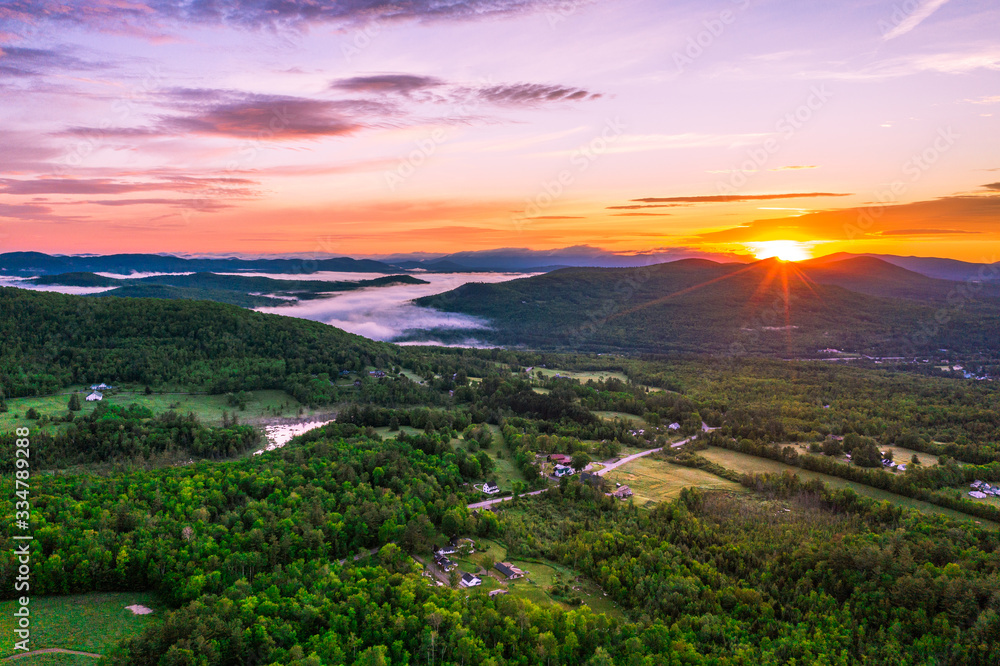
727 128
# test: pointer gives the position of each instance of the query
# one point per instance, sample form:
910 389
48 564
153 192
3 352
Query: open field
963 492
611 416
899 454
86 622
583 376
541 576
208 408
653 480
747 464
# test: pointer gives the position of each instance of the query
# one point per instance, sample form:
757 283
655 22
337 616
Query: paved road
627 459
486 503
601 472
32 653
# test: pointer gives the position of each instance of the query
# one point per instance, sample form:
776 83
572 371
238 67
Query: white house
94 396
674 426
563 470
491 488
470 580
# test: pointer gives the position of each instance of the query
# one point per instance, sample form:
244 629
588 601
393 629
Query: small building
674 426
977 494
508 570
100 387
470 580
560 458
95 396
445 563
622 493
497 592
491 488
563 470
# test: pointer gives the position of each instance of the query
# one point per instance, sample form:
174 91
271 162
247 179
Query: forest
252 556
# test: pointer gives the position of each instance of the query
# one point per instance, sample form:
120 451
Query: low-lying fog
386 313
379 313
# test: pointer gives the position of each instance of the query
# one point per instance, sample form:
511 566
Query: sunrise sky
365 127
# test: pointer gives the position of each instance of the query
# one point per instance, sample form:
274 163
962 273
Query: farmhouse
445 564
470 580
622 493
508 570
674 426
100 387
560 458
95 396
491 488
563 470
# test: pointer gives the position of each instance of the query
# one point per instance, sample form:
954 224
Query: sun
786 250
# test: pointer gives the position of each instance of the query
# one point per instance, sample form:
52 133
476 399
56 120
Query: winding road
601 472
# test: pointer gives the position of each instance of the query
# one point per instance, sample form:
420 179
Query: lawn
583 377
611 416
747 464
653 480
541 576
899 454
208 408
504 468
87 622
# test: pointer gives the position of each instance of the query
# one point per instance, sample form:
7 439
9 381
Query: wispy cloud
231 186
914 18
731 198
128 17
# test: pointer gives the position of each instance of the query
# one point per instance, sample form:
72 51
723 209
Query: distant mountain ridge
767 307
933 267
37 263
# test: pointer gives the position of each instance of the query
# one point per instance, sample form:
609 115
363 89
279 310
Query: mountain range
858 304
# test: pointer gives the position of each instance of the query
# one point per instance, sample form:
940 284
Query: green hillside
700 306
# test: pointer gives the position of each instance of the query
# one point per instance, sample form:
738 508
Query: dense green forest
252 555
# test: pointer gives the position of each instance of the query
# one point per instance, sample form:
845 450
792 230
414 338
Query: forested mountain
251 557
768 307
245 291
933 267
52 340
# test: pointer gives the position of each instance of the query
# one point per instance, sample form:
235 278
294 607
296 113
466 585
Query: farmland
653 480
747 464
